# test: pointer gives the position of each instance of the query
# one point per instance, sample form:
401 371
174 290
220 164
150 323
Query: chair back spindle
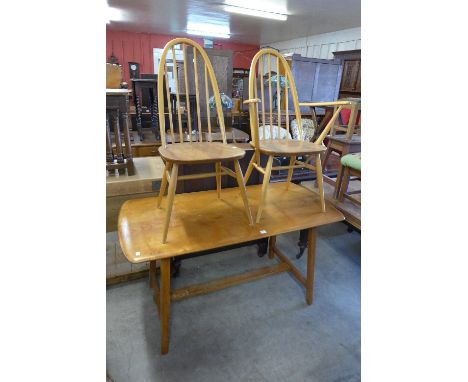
269 110
197 72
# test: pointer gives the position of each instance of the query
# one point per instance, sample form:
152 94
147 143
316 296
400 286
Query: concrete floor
258 331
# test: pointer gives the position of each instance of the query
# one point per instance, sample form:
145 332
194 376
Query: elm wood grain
201 221
145 182
200 152
271 244
289 148
350 210
162 295
164 303
232 135
197 152
311 240
278 146
126 277
227 282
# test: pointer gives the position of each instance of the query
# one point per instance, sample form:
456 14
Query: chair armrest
252 100
323 104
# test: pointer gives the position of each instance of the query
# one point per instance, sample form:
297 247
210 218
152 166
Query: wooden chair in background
344 138
351 166
195 151
279 144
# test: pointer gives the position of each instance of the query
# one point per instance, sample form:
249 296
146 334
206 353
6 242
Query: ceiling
306 17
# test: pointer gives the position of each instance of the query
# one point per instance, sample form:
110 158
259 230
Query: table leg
271 247
311 240
152 274
302 243
165 301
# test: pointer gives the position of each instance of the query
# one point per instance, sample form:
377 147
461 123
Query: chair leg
338 181
292 162
318 167
162 189
243 191
344 184
266 180
170 199
325 157
218 178
249 169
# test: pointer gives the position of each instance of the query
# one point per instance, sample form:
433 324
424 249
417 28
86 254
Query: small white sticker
262 231
137 254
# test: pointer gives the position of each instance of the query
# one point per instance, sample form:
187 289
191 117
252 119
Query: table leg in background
311 241
165 293
271 245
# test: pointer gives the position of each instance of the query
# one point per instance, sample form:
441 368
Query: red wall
138 47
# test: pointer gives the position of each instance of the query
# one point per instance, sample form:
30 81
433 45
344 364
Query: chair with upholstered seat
189 147
344 138
351 166
282 145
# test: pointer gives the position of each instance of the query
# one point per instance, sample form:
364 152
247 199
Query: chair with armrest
195 150
344 138
282 145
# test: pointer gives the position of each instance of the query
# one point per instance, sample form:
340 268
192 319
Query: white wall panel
322 45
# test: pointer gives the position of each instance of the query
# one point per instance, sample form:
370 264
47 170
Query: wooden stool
351 166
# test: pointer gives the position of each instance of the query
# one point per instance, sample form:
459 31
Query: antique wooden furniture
185 106
134 69
284 147
144 183
317 80
351 164
139 86
204 223
118 145
344 139
200 151
114 76
351 78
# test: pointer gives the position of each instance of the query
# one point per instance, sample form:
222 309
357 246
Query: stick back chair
278 144
343 139
191 148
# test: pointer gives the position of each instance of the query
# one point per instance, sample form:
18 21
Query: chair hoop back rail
281 145
193 149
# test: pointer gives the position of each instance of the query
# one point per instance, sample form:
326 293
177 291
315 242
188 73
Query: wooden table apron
201 222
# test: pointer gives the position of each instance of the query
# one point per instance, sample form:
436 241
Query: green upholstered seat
352 160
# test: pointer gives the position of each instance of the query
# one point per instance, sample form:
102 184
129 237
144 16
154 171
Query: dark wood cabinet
316 80
349 80
351 76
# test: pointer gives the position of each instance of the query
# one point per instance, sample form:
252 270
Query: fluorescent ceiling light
114 14
255 12
207 34
208 30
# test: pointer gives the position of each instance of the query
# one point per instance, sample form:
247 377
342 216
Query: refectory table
202 222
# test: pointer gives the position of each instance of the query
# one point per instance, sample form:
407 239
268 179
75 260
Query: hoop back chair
281 145
196 150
